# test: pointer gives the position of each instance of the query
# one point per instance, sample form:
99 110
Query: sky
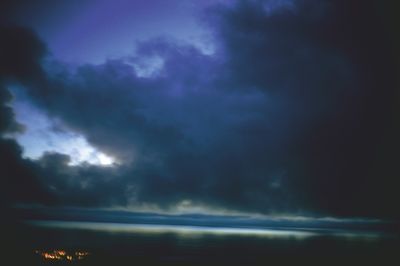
271 107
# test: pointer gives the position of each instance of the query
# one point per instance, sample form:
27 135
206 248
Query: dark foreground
24 244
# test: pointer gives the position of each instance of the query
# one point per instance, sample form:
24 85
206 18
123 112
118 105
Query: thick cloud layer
19 54
294 112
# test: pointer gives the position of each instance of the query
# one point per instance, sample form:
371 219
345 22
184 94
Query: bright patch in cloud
47 135
148 67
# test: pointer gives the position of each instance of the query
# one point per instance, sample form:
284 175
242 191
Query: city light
62 255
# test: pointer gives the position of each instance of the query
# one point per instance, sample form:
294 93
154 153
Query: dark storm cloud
20 52
334 67
84 185
295 112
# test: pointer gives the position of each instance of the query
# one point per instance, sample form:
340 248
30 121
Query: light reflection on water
198 231
193 244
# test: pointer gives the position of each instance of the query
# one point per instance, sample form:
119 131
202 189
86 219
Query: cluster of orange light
62 255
